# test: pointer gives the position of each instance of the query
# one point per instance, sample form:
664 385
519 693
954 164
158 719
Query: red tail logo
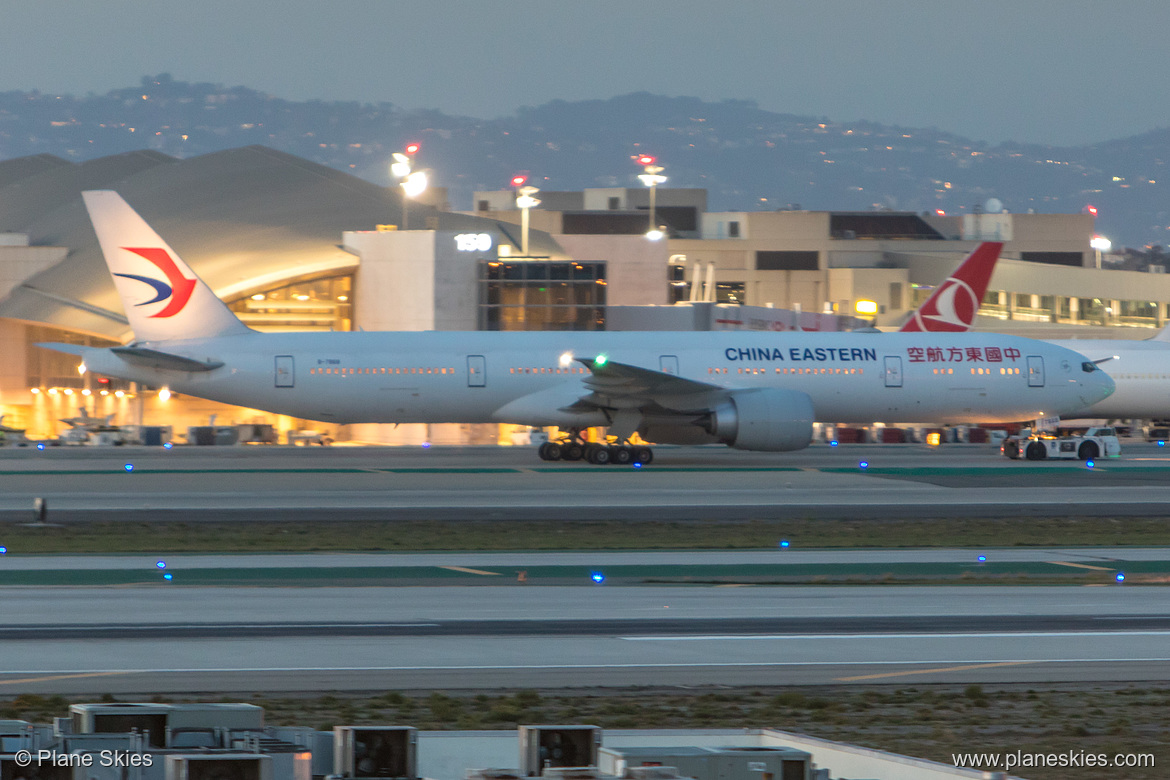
953 306
179 289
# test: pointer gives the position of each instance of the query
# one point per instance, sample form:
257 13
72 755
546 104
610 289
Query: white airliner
1140 369
750 390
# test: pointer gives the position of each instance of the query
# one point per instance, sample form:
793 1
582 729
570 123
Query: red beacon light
413 148
519 181
1091 209
645 159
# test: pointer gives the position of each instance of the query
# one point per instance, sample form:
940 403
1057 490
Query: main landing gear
573 448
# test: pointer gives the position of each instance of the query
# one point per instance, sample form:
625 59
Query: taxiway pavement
251 483
160 640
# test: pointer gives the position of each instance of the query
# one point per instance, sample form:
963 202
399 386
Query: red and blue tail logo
177 287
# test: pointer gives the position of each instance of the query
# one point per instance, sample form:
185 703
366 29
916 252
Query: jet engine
768 419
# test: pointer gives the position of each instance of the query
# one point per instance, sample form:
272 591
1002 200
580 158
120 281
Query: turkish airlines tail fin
163 298
955 302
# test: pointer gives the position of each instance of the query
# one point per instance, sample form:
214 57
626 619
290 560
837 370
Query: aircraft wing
620 379
626 394
617 395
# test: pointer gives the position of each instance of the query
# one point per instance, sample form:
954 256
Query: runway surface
80 624
251 483
161 640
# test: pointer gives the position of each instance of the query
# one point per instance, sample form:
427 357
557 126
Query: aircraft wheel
621 455
598 456
1088 450
572 451
551 450
643 455
1035 451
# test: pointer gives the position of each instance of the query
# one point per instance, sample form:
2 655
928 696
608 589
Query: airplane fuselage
532 377
1141 371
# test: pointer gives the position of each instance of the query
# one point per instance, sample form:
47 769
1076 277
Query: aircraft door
284 371
476 371
668 364
893 371
1035 371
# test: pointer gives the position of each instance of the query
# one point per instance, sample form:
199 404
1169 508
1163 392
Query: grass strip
748 574
504 534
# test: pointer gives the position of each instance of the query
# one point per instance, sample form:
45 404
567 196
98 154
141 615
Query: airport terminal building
292 245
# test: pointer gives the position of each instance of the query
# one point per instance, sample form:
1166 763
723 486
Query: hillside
747 158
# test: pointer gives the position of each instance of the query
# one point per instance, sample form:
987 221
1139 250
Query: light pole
413 184
651 177
1100 244
524 201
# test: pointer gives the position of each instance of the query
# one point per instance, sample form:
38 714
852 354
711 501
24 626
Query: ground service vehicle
1040 445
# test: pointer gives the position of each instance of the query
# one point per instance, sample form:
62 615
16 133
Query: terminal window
786 261
730 292
1053 258
542 295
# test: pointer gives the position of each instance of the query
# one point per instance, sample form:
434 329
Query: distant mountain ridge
747 158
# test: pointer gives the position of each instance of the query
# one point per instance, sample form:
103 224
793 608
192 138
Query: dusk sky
1062 73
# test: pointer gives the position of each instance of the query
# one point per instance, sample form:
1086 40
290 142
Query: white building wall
456 292
597 199
717 225
636 268
394 286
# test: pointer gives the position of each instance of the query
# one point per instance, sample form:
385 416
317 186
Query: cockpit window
1089 367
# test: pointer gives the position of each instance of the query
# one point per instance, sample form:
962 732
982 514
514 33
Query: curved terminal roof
243 219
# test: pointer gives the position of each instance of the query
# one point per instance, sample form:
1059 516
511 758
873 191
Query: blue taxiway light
1161 444
637 465
129 467
426 445
167 446
168 576
784 543
864 464
982 558
833 443
1120 576
597 577
40 445
3 550
1089 464
161 564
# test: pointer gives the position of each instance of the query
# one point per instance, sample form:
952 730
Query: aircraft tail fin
955 302
163 298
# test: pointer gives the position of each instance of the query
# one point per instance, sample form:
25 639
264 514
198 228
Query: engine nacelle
767 419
